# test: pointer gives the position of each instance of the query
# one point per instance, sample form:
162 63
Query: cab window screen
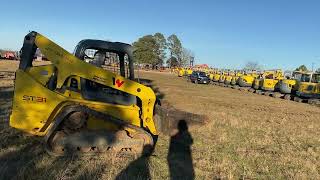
98 92
110 61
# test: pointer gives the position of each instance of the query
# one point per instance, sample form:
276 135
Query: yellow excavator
308 89
79 107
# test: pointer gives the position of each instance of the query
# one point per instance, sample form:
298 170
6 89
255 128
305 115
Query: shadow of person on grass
179 155
139 168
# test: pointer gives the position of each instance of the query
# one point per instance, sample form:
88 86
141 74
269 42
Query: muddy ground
246 136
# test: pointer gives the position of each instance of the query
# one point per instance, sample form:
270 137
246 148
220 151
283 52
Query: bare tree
186 56
252 65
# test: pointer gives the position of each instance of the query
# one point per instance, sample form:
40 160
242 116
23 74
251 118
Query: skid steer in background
228 78
308 89
259 82
235 79
246 81
211 75
222 77
289 86
270 83
189 72
181 72
216 77
79 107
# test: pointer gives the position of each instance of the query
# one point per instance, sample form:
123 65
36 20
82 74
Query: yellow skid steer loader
79 107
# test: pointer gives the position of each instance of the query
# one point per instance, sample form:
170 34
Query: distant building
6 54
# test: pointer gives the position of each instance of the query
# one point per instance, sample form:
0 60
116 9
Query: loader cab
309 85
114 57
296 75
306 77
315 78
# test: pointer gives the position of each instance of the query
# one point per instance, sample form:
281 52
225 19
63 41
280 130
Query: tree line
253 65
157 49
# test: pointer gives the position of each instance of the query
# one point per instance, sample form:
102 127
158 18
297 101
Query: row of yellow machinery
298 86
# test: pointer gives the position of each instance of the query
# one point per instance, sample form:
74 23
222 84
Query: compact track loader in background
309 89
189 72
246 81
79 107
267 82
211 75
288 87
181 72
235 78
270 83
222 78
216 77
228 77
257 84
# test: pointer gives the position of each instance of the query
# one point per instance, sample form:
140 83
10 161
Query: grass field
247 136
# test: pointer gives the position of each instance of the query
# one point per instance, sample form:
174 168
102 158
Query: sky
222 33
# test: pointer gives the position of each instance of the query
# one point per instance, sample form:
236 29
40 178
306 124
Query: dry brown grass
7 65
248 136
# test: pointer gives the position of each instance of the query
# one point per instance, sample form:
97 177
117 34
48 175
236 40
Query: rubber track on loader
126 148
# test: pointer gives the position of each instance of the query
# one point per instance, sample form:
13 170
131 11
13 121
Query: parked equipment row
299 86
